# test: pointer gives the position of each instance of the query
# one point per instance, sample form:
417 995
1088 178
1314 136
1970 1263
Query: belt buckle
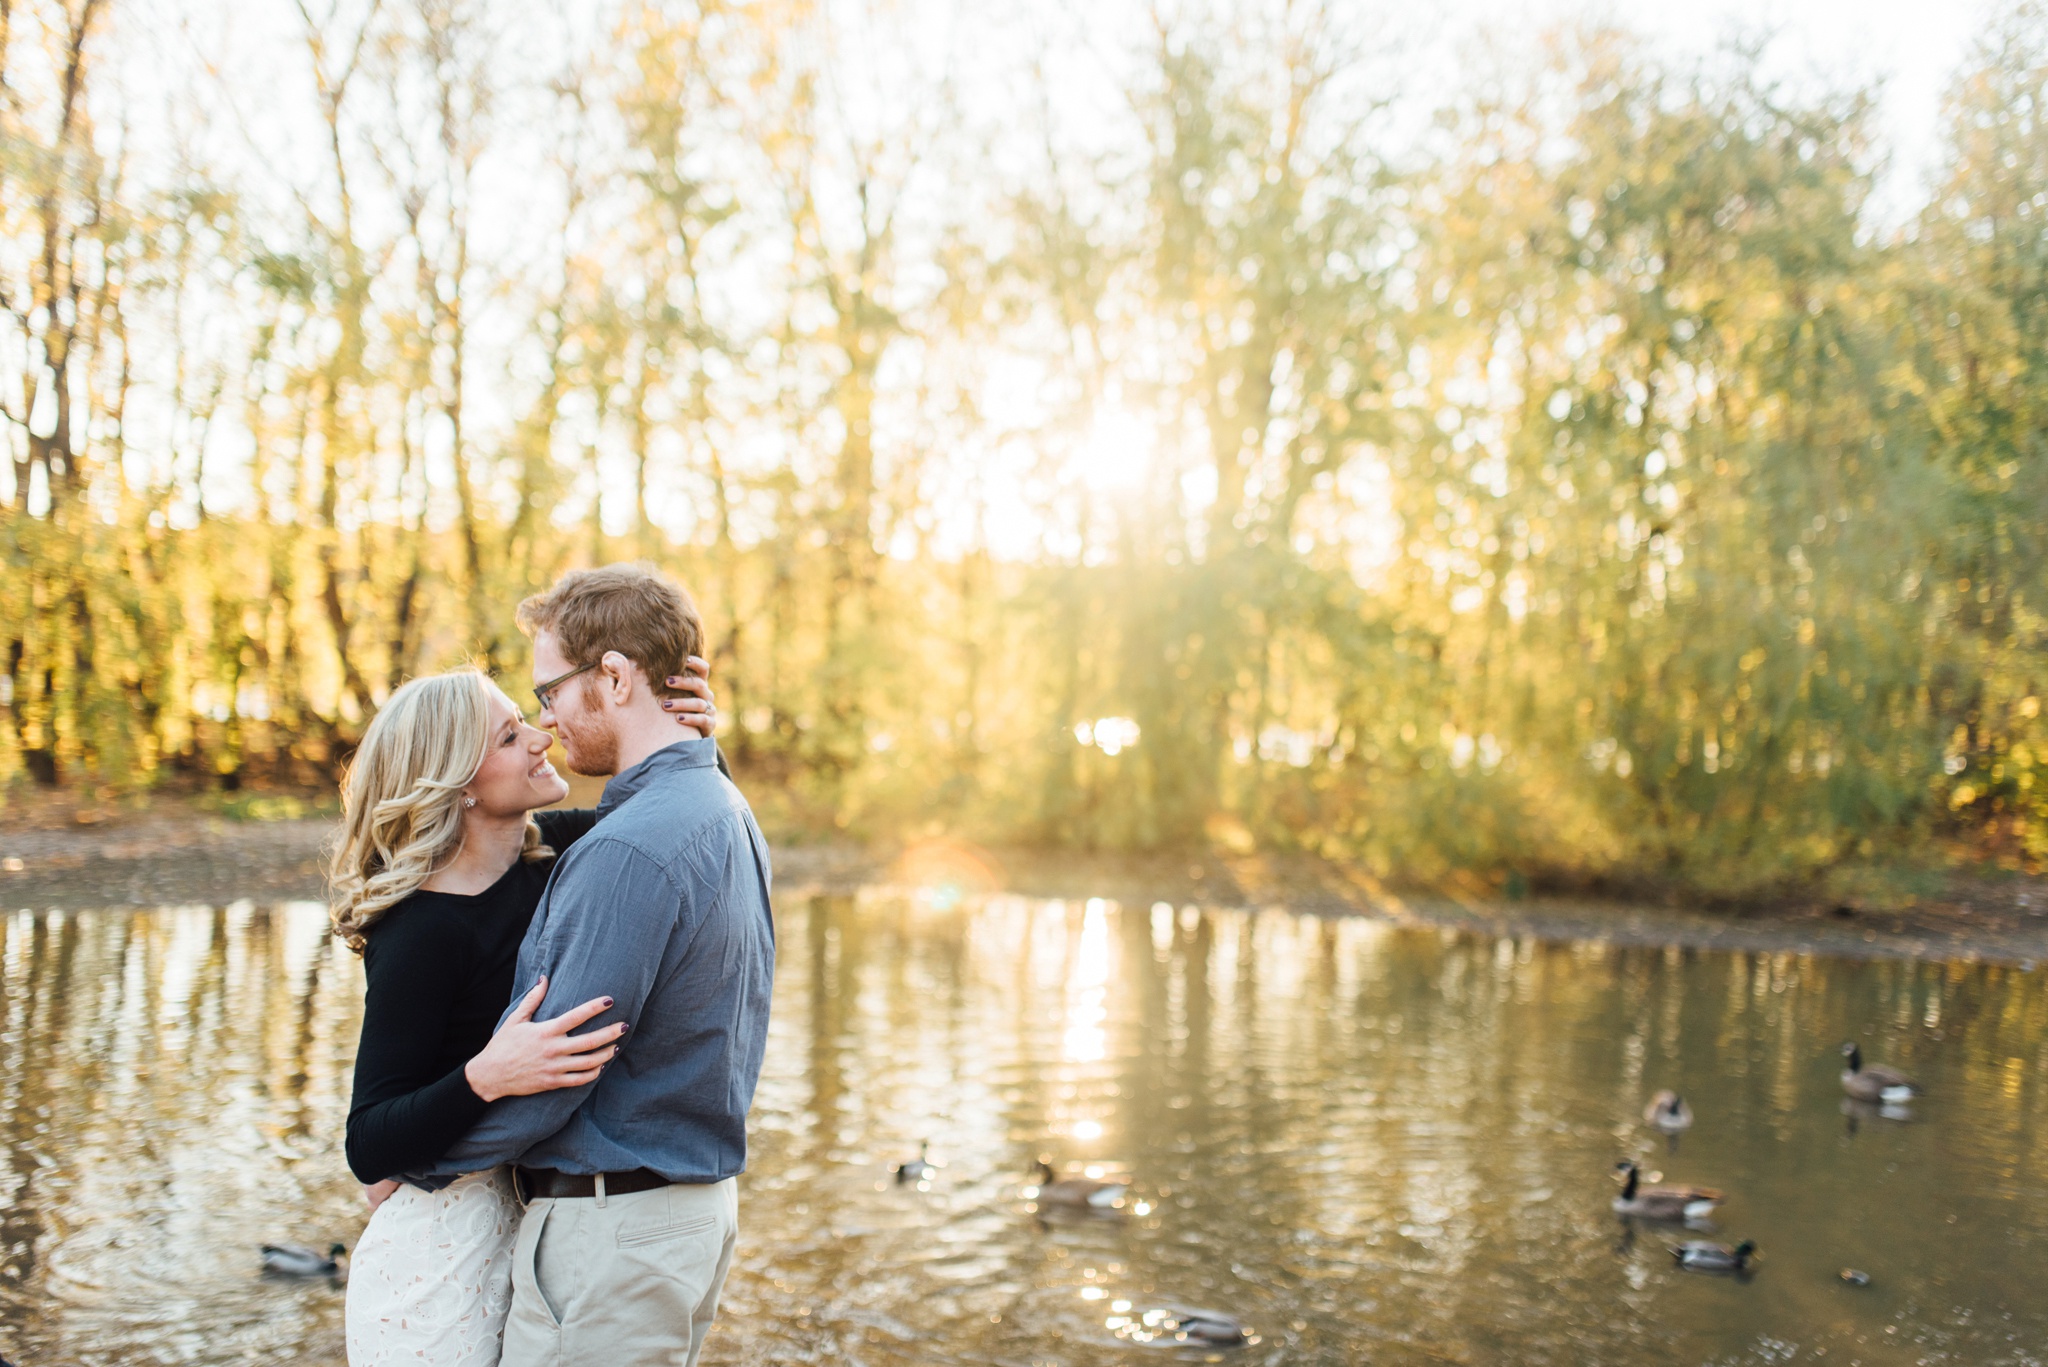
519 1188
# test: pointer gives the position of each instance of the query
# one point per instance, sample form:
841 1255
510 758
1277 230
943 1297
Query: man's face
578 716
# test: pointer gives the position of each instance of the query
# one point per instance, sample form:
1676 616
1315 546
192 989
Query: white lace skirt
431 1278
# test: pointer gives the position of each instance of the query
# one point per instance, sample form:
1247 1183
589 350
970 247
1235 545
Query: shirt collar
701 753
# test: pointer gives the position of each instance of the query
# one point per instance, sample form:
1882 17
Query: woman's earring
469 802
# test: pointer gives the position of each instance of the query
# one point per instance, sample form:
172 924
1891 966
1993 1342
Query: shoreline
186 858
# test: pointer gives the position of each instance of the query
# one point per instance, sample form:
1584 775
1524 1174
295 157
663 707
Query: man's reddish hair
633 609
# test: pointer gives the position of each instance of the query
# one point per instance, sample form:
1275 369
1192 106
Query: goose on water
1663 1203
1668 1112
296 1260
917 1169
1874 1081
1087 1192
1697 1255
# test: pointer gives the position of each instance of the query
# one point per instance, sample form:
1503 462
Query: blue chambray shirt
663 907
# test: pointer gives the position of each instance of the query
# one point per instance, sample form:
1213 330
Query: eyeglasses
546 691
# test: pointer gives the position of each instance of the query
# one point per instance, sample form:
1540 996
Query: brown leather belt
532 1184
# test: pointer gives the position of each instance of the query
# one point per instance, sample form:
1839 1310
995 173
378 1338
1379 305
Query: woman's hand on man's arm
608 926
524 1057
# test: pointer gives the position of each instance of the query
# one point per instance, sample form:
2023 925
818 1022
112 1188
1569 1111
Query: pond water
1372 1144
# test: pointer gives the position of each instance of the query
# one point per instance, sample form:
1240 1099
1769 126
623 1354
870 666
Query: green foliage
271 806
1599 494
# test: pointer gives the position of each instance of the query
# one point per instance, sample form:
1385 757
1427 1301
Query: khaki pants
622 1282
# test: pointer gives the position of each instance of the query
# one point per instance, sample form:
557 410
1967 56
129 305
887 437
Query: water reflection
1367 1143
171 1088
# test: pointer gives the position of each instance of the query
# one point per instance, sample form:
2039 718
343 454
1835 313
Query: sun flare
1117 452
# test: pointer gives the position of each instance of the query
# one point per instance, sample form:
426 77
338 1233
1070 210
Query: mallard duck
1854 1276
296 1260
1168 1324
1662 1203
917 1169
1211 1327
1697 1255
1874 1081
1055 1190
1668 1112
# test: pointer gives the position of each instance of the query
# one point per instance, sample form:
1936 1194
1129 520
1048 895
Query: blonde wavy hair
401 799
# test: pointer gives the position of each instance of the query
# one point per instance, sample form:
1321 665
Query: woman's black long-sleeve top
439 970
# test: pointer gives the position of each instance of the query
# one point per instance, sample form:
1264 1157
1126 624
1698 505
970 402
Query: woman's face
515 776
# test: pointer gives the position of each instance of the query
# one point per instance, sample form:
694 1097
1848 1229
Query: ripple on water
1368 1144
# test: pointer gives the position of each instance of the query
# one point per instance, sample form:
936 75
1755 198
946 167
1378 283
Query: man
632 1209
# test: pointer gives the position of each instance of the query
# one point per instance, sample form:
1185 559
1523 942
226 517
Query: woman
441 864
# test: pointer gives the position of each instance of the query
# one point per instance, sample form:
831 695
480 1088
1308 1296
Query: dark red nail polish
607 1001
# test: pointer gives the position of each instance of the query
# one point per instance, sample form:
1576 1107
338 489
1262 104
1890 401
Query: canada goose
1662 1203
1054 1190
1874 1081
1668 1112
917 1169
1697 1255
296 1260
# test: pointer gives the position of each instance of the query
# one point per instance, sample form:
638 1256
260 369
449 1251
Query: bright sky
1912 46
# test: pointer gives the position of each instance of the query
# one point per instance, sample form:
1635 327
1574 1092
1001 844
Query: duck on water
1084 1192
1875 1082
1668 1112
1697 1255
296 1260
1664 1202
918 1169
1182 1324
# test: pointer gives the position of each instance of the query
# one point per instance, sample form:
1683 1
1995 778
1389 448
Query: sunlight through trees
1573 483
